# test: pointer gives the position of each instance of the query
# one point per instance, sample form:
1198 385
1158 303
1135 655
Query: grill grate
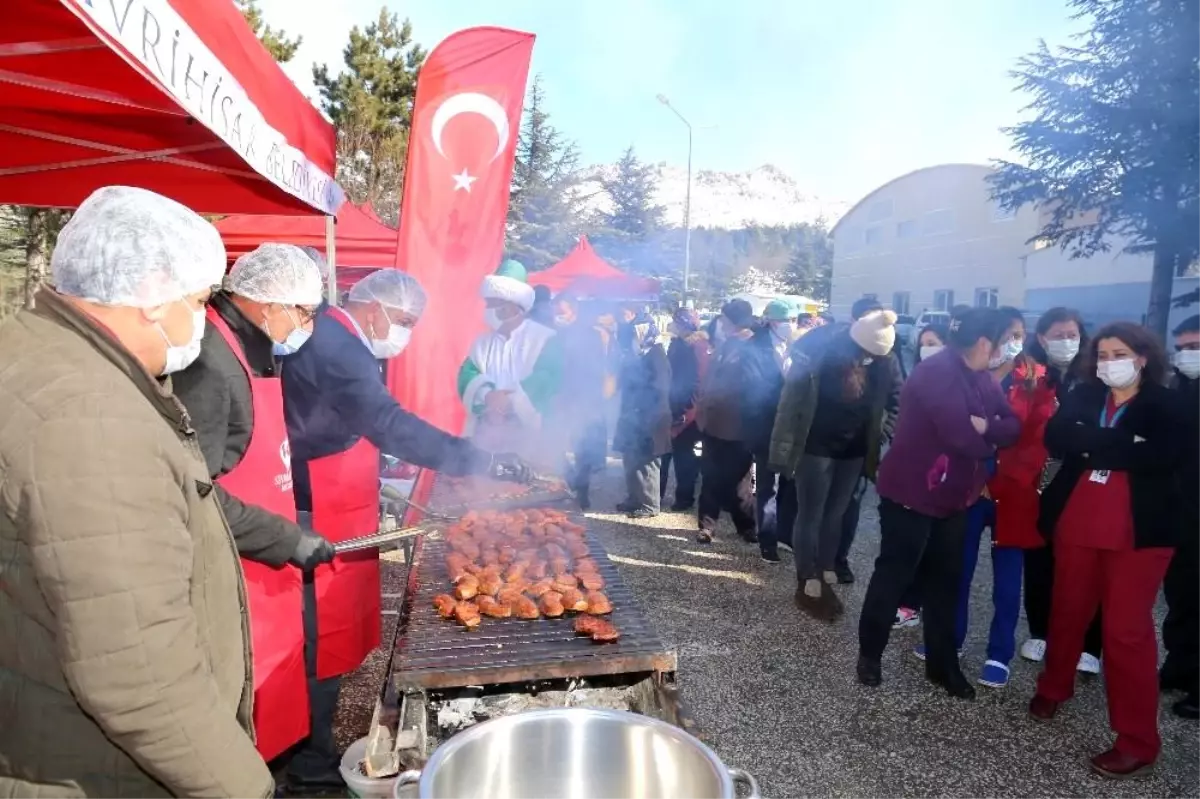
432 652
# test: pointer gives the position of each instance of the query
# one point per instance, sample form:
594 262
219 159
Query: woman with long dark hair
952 418
1113 509
1060 337
828 431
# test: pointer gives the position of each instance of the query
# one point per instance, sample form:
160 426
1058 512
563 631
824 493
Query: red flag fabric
452 216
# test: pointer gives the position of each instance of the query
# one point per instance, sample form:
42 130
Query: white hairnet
127 246
279 273
318 259
393 288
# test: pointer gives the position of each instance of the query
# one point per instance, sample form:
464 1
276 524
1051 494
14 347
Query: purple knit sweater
935 464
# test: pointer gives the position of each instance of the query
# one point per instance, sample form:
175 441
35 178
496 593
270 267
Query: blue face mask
290 345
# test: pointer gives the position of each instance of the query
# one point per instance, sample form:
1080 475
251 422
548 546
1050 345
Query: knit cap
875 332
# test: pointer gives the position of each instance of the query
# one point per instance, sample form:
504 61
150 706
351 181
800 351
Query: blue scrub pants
1006 585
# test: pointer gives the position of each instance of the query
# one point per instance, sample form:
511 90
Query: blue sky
843 96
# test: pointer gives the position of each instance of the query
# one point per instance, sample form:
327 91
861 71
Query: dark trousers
850 525
1181 628
915 547
769 484
590 447
1125 583
1039 587
315 759
687 467
723 464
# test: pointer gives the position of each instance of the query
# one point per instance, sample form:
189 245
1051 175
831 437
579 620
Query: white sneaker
1034 649
906 617
1088 664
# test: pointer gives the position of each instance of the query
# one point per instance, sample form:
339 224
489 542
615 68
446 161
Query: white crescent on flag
471 103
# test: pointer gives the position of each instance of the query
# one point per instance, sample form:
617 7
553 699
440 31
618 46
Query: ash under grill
432 652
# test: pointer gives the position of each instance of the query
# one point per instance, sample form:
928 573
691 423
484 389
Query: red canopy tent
588 276
176 96
364 243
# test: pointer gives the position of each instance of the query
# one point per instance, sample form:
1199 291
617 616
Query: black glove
509 466
311 551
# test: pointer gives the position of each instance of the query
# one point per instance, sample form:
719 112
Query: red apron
345 504
263 478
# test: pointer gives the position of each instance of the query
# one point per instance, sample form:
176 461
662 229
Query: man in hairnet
340 416
124 652
235 397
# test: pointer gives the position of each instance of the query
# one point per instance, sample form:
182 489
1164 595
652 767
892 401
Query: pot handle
741 778
410 777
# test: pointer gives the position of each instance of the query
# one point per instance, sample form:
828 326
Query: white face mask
783 330
929 350
394 344
1120 373
1188 363
1010 350
1062 351
180 358
491 318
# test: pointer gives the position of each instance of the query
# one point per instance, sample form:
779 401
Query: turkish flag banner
452 216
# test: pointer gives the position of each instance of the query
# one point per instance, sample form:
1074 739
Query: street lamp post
687 201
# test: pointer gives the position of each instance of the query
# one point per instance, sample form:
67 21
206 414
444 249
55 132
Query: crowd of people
182 448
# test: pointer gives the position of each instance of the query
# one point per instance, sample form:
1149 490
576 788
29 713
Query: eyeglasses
307 313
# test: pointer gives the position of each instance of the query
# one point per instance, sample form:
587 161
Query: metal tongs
377 539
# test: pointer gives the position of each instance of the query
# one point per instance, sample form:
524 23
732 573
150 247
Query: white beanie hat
875 332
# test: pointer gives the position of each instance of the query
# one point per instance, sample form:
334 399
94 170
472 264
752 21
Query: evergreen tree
281 48
371 103
631 191
810 268
545 209
1114 148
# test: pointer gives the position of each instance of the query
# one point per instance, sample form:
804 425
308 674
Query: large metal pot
575 753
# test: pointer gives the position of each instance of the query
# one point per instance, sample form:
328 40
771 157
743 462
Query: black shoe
770 555
642 513
1188 707
785 544
869 672
626 507
1172 679
683 507
844 575
749 536
328 785
582 496
953 681
704 536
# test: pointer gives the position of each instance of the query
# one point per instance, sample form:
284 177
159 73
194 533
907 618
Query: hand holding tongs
376 539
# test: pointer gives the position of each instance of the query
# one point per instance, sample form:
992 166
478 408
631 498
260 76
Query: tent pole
331 258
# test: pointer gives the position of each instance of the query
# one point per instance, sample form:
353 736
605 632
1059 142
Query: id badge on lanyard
1101 475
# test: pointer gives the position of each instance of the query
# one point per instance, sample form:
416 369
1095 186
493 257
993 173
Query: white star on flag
463 181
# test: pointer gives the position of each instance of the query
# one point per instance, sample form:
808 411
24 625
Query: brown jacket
124 646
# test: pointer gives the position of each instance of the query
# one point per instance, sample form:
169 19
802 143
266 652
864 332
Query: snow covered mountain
729 200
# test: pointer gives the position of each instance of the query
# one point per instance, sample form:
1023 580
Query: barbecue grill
438 669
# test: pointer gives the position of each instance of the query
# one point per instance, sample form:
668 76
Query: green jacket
798 406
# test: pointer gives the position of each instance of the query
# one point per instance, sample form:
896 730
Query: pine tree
545 210
281 48
631 191
371 103
1114 148
810 268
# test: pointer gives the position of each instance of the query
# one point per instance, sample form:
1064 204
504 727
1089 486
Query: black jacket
334 394
685 374
1188 391
761 386
1148 443
644 422
216 392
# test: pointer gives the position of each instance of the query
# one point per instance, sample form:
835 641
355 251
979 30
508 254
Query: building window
987 298
943 300
938 222
879 211
908 229
873 235
900 303
1002 214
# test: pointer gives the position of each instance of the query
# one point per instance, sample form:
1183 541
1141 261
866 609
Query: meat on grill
591 582
444 603
574 600
466 586
551 604
597 603
467 614
600 630
525 608
488 606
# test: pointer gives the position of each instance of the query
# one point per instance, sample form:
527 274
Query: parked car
904 326
927 318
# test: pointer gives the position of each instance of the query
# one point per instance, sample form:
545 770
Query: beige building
930 240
